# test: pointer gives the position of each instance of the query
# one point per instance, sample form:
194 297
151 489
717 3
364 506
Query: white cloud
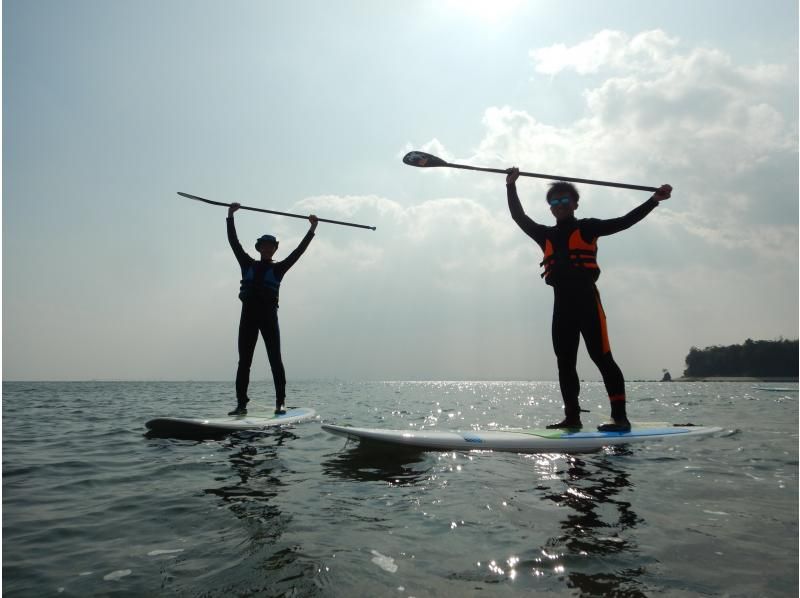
350 206
778 243
452 230
607 49
668 113
585 57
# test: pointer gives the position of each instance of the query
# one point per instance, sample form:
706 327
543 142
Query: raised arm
292 258
600 228
533 229
241 254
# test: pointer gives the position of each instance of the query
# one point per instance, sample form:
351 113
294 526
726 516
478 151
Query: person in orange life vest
261 280
570 267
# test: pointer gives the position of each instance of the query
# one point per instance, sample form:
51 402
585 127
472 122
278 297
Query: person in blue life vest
261 281
570 267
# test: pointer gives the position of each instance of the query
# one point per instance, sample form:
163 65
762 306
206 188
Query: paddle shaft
555 178
227 205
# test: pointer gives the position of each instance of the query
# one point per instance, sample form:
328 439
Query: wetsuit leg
566 336
595 336
248 336
272 339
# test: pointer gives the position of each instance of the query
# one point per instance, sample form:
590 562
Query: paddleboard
188 427
775 388
517 441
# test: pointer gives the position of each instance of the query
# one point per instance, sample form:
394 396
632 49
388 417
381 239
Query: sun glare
485 10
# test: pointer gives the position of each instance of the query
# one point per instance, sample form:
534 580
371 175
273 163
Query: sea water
93 507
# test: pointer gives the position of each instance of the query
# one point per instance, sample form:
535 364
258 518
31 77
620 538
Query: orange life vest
580 254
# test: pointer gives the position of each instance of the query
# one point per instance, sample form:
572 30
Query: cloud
659 111
462 226
778 244
351 206
607 50
585 57
659 96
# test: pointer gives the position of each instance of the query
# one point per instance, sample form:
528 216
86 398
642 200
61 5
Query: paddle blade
423 160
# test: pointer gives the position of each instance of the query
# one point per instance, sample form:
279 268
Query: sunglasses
562 201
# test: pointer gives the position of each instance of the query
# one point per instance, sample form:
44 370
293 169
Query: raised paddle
219 203
423 160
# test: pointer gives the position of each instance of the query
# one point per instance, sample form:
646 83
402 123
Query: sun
485 10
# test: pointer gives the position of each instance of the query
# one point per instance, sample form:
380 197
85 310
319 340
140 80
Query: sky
111 108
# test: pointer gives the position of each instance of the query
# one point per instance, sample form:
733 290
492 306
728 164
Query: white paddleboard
517 441
192 427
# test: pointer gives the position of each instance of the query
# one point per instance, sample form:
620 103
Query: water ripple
93 507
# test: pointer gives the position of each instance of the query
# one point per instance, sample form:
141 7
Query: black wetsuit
259 295
577 309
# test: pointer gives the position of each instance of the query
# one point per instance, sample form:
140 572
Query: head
563 200
266 245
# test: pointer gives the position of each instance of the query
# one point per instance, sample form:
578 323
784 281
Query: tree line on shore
758 359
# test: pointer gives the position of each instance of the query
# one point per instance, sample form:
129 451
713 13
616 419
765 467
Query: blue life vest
264 290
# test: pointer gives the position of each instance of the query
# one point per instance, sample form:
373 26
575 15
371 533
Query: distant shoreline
736 379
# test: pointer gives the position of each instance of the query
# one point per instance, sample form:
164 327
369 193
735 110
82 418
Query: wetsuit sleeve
290 260
533 229
594 227
241 255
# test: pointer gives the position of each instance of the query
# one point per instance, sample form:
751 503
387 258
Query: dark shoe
238 411
618 425
280 411
566 424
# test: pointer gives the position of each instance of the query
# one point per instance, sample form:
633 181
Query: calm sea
92 507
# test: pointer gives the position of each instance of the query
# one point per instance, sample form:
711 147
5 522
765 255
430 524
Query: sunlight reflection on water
300 511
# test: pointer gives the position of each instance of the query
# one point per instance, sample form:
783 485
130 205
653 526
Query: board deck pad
517 440
187 427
